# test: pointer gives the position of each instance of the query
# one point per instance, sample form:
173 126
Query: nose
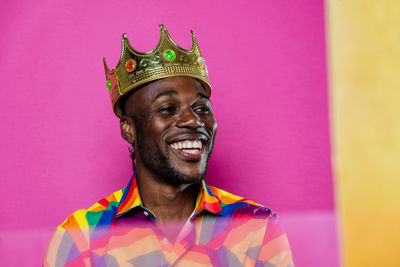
188 119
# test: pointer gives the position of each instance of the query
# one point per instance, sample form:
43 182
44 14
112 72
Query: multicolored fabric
224 230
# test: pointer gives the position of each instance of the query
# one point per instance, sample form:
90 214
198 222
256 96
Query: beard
160 164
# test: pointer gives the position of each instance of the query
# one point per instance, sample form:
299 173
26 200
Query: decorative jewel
130 65
203 64
201 61
169 54
109 85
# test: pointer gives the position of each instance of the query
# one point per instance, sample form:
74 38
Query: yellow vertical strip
364 66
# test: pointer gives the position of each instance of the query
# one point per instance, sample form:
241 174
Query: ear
127 129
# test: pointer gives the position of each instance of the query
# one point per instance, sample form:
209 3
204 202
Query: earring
130 148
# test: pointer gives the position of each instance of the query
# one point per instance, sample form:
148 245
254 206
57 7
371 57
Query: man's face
174 128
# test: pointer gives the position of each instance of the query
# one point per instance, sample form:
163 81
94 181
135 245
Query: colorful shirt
223 230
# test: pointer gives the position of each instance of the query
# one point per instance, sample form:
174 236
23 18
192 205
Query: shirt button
146 213
165 241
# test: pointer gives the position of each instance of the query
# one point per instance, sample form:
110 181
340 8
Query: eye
202 109
167 110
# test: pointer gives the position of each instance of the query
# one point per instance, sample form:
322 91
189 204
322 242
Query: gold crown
167 59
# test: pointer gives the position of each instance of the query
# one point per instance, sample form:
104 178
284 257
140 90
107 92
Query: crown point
105 65
162 26
124 35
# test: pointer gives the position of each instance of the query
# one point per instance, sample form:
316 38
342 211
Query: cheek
159 128
158 125
211 124
215 126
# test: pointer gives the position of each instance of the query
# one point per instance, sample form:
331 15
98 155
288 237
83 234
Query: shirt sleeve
275 248
67 248
69 244
59 248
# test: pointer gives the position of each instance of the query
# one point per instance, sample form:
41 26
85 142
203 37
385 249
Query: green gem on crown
169 55
109 85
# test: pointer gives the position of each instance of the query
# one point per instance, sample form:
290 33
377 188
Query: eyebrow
167 93
170 93
201 95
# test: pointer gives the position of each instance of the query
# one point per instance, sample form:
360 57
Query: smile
192 149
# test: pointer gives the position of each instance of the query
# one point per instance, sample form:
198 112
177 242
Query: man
167 215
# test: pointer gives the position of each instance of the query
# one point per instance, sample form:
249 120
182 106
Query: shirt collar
206 200
130 198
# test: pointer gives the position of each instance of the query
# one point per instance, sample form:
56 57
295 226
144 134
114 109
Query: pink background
60 144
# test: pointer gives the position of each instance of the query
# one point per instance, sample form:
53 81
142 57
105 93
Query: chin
193 170
182 176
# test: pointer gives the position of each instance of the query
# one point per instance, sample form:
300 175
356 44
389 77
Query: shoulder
73 235
260 224
234 205
86 218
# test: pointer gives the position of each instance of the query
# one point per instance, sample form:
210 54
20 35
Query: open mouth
192 149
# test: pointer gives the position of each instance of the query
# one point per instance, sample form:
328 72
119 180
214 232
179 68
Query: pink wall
60 144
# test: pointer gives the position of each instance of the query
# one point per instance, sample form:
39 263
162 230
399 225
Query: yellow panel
364 63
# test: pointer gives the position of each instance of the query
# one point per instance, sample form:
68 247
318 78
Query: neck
169 203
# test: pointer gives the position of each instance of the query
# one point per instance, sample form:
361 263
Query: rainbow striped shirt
223 230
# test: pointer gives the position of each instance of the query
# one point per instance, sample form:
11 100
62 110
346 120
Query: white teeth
197 144
188 145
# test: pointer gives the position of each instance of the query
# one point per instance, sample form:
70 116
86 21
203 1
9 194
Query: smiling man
167 215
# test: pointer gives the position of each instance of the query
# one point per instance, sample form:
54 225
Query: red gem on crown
130 65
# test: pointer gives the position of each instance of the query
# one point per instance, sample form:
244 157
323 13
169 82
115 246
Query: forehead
186 88
183 87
